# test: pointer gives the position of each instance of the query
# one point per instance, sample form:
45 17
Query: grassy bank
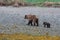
27 37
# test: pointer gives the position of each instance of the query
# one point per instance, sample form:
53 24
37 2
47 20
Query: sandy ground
27 37
33 30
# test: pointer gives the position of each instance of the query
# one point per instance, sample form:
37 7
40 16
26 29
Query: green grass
37 1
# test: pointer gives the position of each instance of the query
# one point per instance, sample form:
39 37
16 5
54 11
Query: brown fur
32 17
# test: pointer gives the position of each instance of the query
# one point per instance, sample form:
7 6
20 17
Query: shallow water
16 15
11 15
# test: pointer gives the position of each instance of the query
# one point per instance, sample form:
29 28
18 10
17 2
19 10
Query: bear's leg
48 25
34 24
30 22
37 22
44 25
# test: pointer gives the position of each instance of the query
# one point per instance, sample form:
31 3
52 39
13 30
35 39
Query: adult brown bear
32 18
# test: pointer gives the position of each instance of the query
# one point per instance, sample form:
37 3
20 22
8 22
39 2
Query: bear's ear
25 17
